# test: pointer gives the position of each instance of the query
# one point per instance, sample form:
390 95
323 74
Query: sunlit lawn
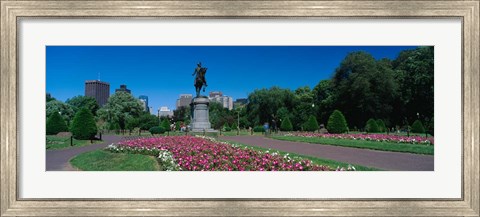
101 160
57 142
383 146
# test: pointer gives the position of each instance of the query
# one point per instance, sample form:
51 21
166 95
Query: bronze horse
200 81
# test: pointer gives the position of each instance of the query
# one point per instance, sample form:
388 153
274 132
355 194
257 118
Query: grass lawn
331 163
56 142
394 133
383 146
101 160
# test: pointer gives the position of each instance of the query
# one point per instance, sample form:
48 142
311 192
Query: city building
165 112
214 94
217 96
144 100
184 100
123 88
99 90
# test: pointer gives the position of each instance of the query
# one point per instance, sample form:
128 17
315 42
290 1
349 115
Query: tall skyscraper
99 90
184 100
123 88
144 100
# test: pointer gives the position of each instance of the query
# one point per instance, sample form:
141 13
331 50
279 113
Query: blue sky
164 72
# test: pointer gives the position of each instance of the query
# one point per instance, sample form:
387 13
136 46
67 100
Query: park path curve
59 159
393 161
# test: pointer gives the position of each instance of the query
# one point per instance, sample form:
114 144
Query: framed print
228 108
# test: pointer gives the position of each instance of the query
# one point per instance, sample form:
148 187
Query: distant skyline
164 72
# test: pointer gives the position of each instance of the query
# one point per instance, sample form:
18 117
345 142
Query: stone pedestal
200 119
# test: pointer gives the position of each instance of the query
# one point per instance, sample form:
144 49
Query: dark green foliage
56 124
417 127
83 125
119 108
156 130
234 126
371 126
286 125
165 125
131 123
49 97
337 123
258 129
381 126
311 124
219 115
226 128
79 102
55 106
429 127
177 125
147 121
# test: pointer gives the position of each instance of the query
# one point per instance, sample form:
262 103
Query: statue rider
200 74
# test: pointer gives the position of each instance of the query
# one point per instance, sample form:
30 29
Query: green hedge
337 123
417 127
56 124
83 125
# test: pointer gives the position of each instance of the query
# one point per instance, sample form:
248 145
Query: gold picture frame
468 11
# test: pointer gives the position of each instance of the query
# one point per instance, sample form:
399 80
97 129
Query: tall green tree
56 124
147 121
324 100
304 106
131 123
264 104
119 107
414 73
364 87
83 125
79 102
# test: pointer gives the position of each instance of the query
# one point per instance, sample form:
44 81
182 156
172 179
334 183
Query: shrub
311 124
337 123
258 129
156 130
381 126
234 126
177 125
286 125
56 124
417 127
83 125
165 125
371 126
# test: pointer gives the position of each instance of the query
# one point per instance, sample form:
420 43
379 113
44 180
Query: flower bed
370 137
201 154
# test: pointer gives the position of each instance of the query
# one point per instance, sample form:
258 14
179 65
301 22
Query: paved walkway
59 160
394 161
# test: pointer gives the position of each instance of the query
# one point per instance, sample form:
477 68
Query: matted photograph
239 108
